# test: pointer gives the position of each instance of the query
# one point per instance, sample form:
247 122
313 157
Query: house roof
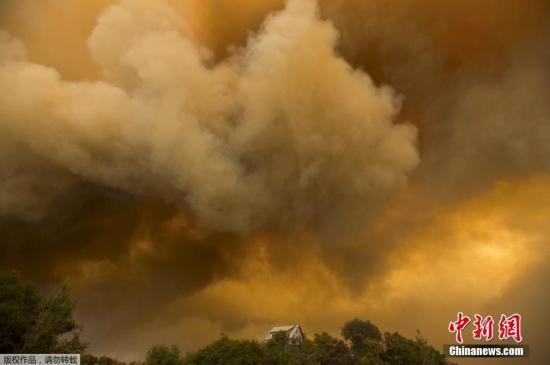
283 328
293 331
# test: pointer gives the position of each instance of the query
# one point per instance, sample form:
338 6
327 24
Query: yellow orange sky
194 168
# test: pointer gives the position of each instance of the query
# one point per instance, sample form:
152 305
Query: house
294 333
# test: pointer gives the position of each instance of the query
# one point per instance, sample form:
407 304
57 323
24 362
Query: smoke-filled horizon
197 167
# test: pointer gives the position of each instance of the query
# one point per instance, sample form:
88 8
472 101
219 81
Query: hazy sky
197 167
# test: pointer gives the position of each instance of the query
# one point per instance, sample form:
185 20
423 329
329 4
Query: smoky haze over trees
33 322
369 348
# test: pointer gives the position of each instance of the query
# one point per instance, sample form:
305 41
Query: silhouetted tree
226 351
38 323
362 335
329 350
89 359
403 351
163 355
32 322
371 349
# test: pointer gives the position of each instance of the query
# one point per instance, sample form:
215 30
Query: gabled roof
293 331
283 328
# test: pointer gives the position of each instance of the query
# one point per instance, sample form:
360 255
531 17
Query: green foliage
361 334
88 359
402 351
163 355
226 351
372 352
277 349
329 350
19 305
372 349
428 354
280 351
32 322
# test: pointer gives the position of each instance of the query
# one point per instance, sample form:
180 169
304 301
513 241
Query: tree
362 335
428 354
89 359
331 351
226 351
403 351
400 350
372 353
371 349
163 355
32 322
19 306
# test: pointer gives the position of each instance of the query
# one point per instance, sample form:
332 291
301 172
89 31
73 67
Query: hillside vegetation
33 322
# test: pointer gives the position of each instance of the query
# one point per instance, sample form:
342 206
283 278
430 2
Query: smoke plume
284 134
201 157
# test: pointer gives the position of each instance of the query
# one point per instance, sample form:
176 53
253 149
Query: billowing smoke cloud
283 134
201 157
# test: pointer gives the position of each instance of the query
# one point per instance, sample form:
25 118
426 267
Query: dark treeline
33 322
